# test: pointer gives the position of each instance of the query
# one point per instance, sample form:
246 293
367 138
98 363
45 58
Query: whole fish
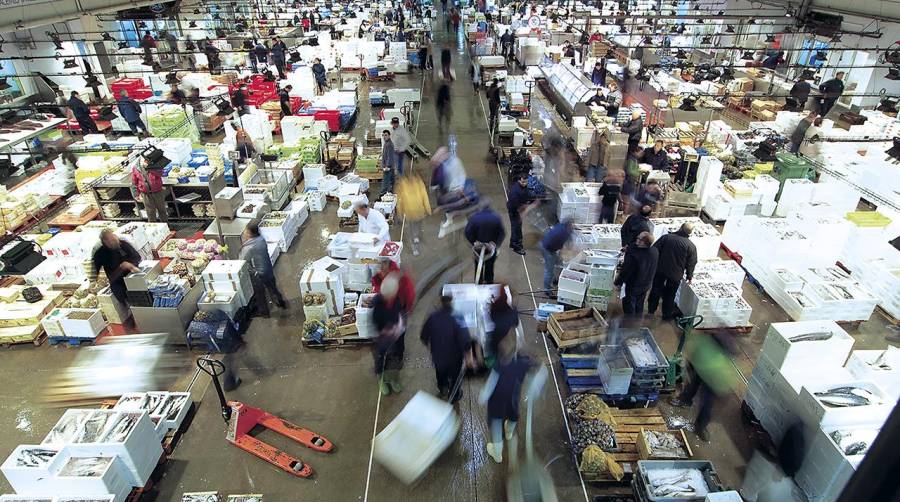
811 337
843 397
856 448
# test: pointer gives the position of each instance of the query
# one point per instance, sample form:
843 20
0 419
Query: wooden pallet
629 423
891 319
36 341
71 341
574 342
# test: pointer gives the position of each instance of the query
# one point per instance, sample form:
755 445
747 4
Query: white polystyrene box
26 479
815 412
879 366
112 478
226 270
821 354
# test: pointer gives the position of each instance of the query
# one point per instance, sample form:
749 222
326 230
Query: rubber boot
509 428
392 377
384 387
495 451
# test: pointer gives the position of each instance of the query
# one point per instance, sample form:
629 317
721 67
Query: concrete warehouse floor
334 392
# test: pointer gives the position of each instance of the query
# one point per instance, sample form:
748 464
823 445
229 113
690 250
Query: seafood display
87 467
94 427
201 497
245 498
122 428
677 483
642 353
819 336
843 397
854 442
35 457
67 427
664 444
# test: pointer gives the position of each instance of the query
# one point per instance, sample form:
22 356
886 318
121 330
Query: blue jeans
595 173
387 182
401 156
551 261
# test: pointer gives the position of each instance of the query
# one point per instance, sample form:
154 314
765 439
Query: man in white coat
371 221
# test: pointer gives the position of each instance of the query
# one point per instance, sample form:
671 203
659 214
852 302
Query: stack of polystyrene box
719 270
608 235
704 236
229 277
879 366
130 436
720 304
312 173
572 287
330 284
175 405
580 202
785 366
317 200
826 468
794 193
838 296
365 326
81 323
284 233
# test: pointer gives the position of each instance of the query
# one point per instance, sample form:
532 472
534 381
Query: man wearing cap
371 222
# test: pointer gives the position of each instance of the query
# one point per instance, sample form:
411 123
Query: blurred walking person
255 252
635 224
450 346
413 204
637 273
442 106
505 318
493 97
502 393
519 202
609 195
710 373
554 240
392 304
677 259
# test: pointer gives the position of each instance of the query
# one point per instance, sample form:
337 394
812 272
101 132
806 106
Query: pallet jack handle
686 324
215 368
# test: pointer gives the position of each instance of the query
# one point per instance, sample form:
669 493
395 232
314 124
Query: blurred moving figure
635 224
450 346
519 202
677 259
502 393
413 204
609 193
389 312
710 372
255 251
637 273
554 240
505 318
117 259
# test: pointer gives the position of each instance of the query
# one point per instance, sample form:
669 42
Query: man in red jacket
148 188
406 293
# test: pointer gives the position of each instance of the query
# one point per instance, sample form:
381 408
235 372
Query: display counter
171 320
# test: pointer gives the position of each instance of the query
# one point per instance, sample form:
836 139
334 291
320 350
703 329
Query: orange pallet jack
242 419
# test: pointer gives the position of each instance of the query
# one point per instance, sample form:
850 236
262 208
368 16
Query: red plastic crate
332 117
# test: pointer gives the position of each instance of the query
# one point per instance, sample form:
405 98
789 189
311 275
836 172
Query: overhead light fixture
271 31
224 107
91 80
706 40
107 37
729 29
751 21
156 159
681 54
893 74
622 30
142 25
123 45
3 84
836 37
770 37
821 55
69 64
172 79
648 40
748 56
295 57
192 24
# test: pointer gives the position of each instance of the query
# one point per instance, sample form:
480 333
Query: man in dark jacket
635 224
634 128
279 49
450 345
284 99
318 70
677 259
239 100
82 114
485 229
637 273
505 43
831 92
262 54
256 253
117 258
800 93
131 112
493 97
518 203
799 133
657 156
551 244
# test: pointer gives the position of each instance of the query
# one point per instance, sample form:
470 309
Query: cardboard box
226 270
330 284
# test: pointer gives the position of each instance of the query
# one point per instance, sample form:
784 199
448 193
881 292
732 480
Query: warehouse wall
34 13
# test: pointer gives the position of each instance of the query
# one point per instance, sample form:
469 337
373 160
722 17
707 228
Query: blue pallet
73 342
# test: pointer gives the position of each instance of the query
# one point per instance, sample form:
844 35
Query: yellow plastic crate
868 219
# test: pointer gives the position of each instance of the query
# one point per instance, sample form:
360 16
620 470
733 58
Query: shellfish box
815 412
82 323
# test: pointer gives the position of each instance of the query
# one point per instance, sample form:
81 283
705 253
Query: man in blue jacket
518 203
256 252
450 346
279 49
485 230
554 240
131 112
